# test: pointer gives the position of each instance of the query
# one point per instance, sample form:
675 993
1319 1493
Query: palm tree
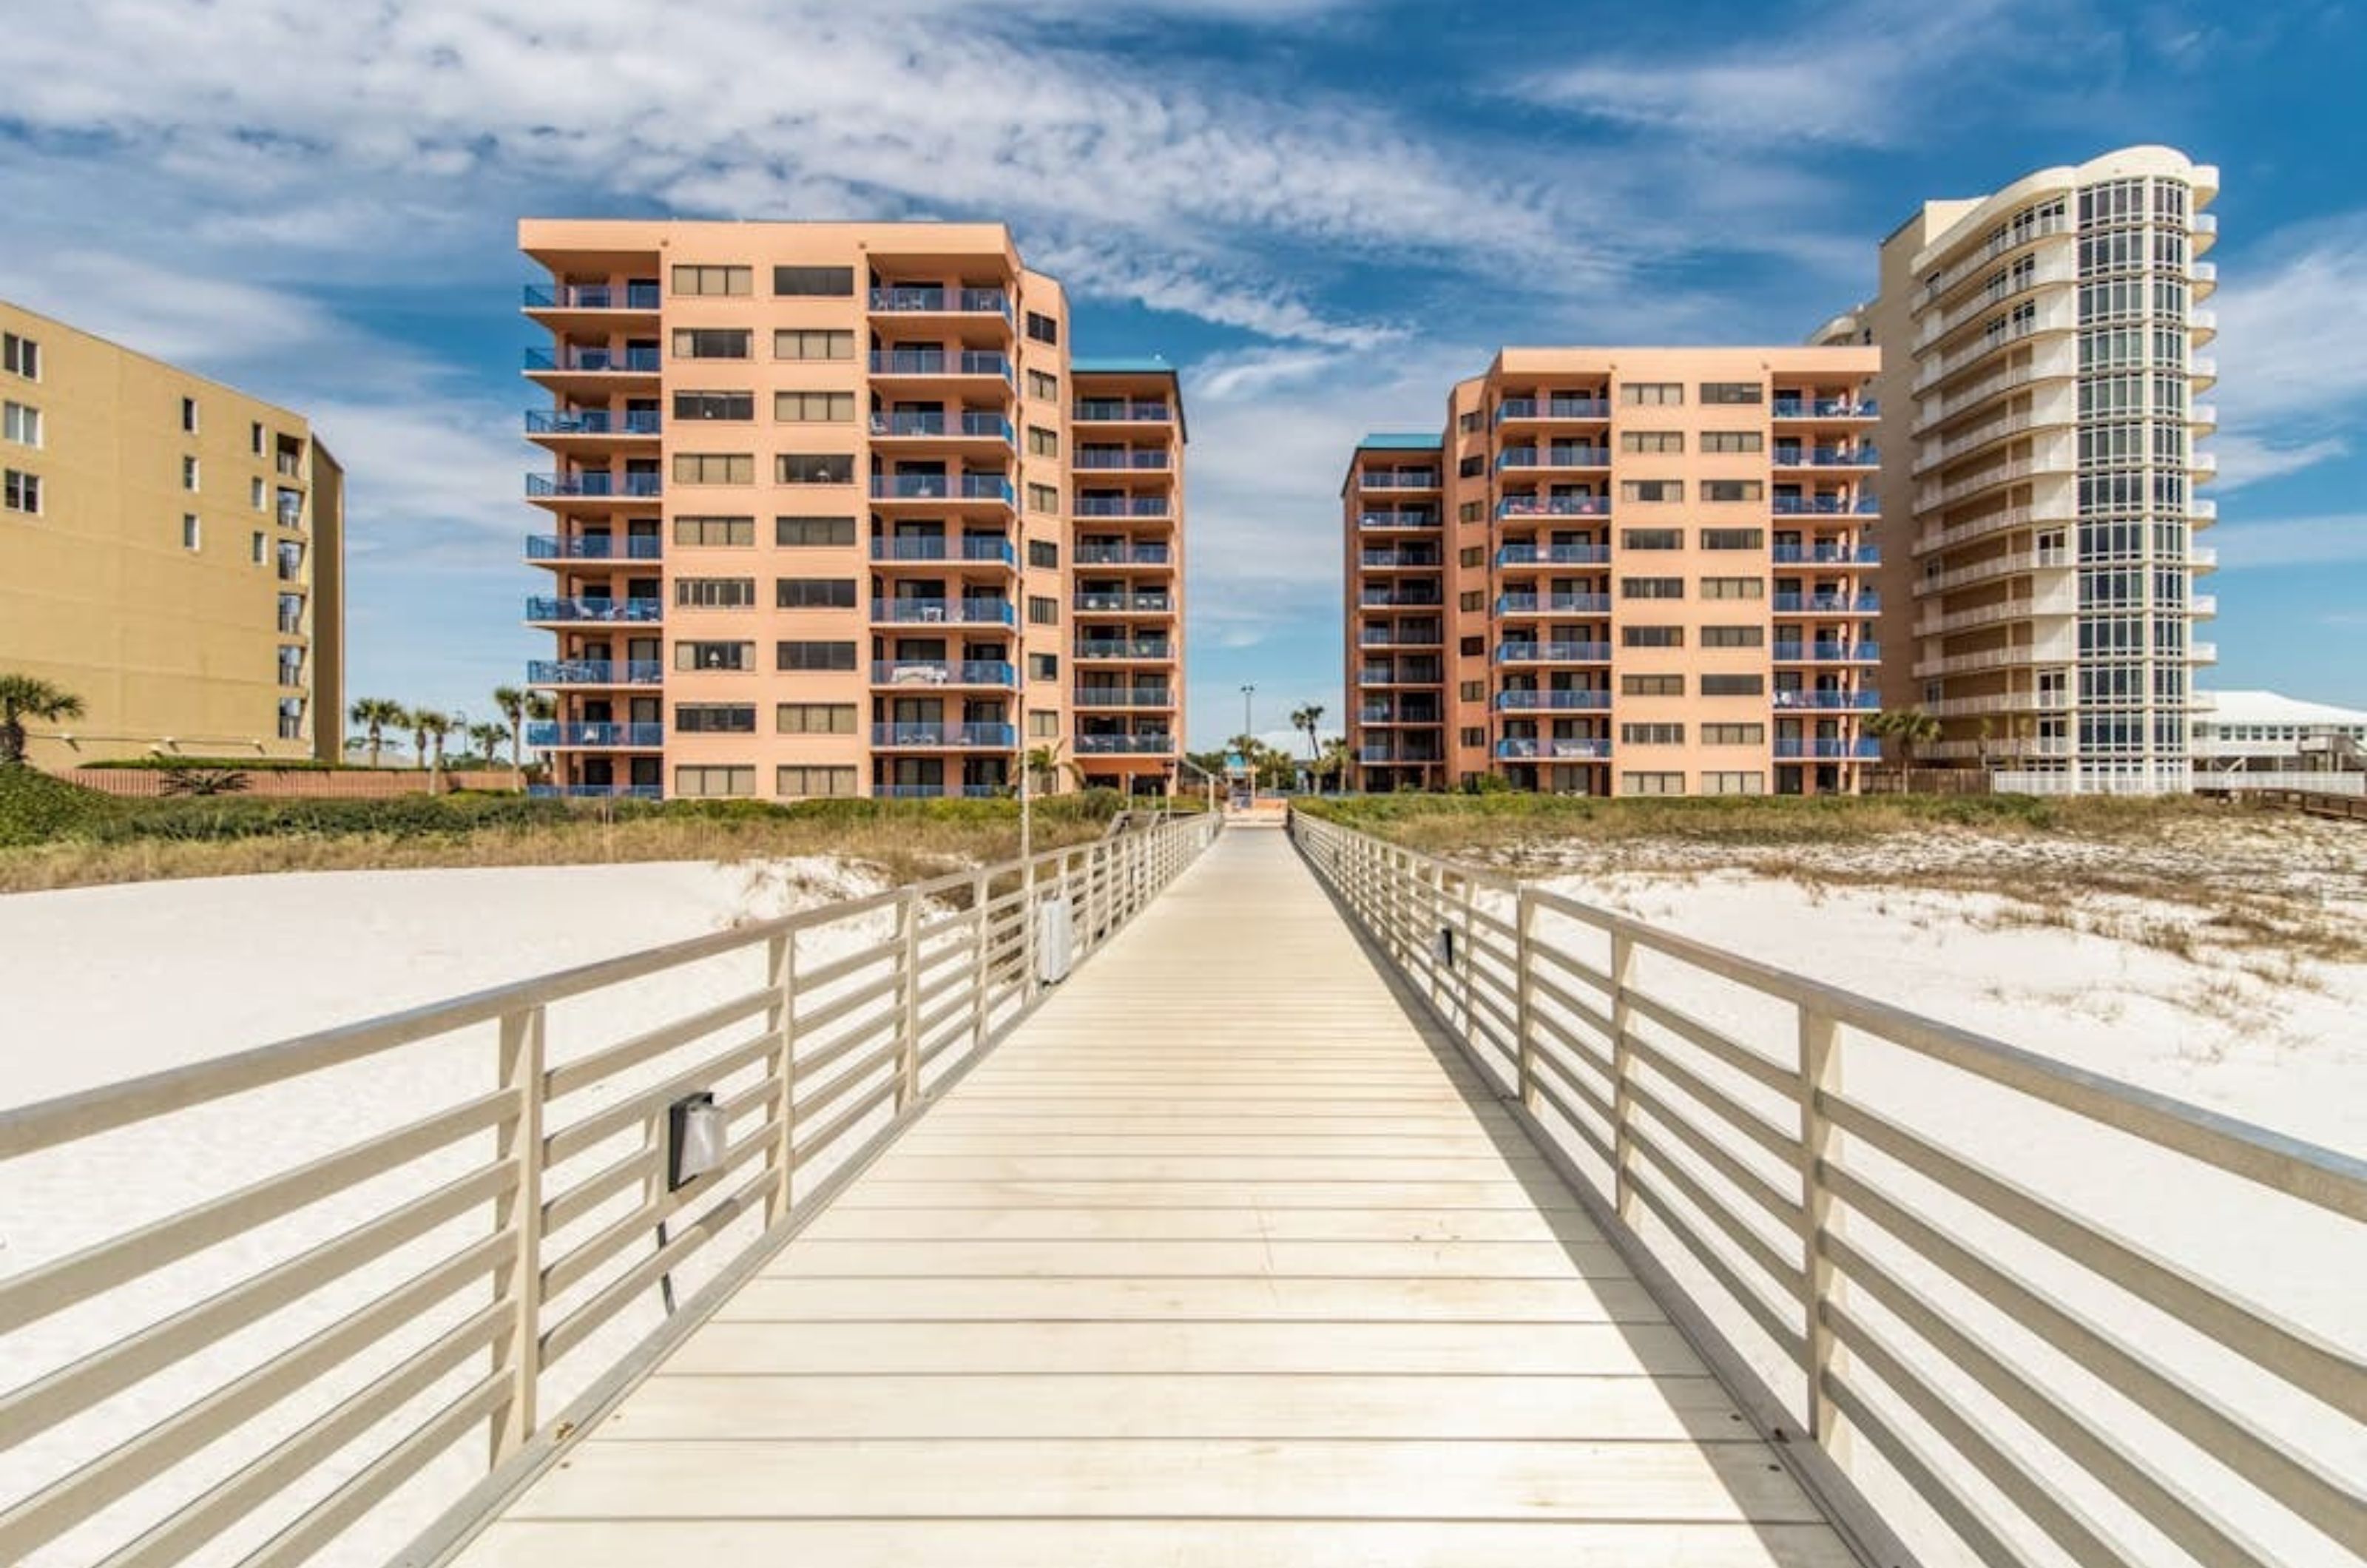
1046 763
511 704
1335 760
416 720
28 696
376 715
429 724
1306 718
1909 726
487 740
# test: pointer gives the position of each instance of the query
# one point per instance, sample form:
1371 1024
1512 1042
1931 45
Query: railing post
1821 1074
1524 994
908 1056
981 938
1622 1074
1027 961
781 1020
519 1210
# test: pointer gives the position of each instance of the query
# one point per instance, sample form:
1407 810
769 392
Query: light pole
1248 739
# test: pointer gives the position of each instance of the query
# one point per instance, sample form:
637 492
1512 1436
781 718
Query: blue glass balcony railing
1562 749
1528 702
1828 751
1827 652
922 422
633 361
943 673
938 362
596 792
1827 555
1555 458
1825 408
594 673
595 485
1149 459
1553 408
1553 653
975 547
1121 506
1399 517
1828 701
1554 506
1125 647
1125 696
1122 554
1135 603
1864 457
592 421
594 609
544 733
937 301
1865 604
938 792
1125 745
593 547
592 297
1554 554
960 612
1123 411
1554 605
1002 736
943 487
1824 506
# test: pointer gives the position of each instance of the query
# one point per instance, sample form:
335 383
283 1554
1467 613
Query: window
805 533
257 551
20 357
814 656
1732 441
254 438
20 492
1044 498
1043 386
823 282
1734 637
1466 422
189 416
1470 468
1659 734
1652 686
717 530
1473 691
1642 394
1042 442
1651 784
807 342
1473 647
710 343
1734 734
1043 725
1734 587
814 468
793 783
813 593
715 592
1731 392
1043 328
292 718
190 531
1043 611
1472 555
814 408
1651 441
814 719
1472 603
1471 511
739 406
713 469
1732 490
291 561
715 719
1042 666
189 478
255 496
291 613
1652 539
1474 736
291 666
715 656
694 784
714 280
1652 489
1044 553
1734 784
20 423
1733 685
1652 637
1733 539
1651 588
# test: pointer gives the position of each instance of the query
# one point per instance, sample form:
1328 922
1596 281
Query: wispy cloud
2292 350
2297 541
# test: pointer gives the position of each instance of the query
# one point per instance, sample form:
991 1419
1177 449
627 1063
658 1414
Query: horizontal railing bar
854 1002
612 1298
1569 1113
819 976
2286 1351
838 1125
956 976
1781 1327
880 1059
105 1265
604 1123
1593 1098
1782 1077
577 1263
959 922
864 1034
1599 1022
36 1406
1782 1144
566 1078
646 1161
1783 1270
1547 953
1970 1523
958 1008
1778 1204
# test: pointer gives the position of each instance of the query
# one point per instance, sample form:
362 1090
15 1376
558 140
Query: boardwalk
1222 1259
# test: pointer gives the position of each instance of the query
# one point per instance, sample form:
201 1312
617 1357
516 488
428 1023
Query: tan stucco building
1620 571
171 552
832 510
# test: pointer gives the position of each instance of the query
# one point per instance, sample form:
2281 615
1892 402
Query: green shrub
37 809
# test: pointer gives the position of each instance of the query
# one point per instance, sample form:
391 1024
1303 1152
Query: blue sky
1322 210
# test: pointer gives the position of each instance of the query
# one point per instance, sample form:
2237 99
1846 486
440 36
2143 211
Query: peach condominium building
833 510
1622 571
2039 385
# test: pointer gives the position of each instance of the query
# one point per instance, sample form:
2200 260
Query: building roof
1398 441
2273 707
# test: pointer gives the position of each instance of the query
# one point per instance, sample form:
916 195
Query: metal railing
2008 1304
337 1304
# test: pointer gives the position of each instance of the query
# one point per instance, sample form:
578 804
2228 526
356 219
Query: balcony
547 736
1860 456
1143 649
593 547
1553 408
1826 653
1554 457
1571 748
2204 607
572 360
1552 701
594 673
1130 460
1398 479
594 609
1125 696
1554 605
1553 653
1825 506
592 421
968 424
1867 604
596 791
1383 599
2203 558
1123 506
969 548
1554 554
945 612
1402 560
939 792
1825 702
1149 604
943 486
1417 675
1825 555
1125 745
592 297
1391 756
936 301
1424 636
1554 506
944 737
2202 653
1122 554
1122 411
937 362
1825 408
1400 517
1867 750
944 672
593 487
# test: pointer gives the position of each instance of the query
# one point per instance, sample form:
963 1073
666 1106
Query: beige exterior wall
173 645
1577 627
902 453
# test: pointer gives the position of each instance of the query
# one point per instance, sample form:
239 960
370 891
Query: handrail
506 1203
1984 1362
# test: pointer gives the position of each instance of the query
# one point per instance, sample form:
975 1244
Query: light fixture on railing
697 1134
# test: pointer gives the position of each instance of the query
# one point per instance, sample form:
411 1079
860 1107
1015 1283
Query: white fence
2024 1313
2308 783
478 1221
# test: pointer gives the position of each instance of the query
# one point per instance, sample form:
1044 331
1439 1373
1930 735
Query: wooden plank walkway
1223 1258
